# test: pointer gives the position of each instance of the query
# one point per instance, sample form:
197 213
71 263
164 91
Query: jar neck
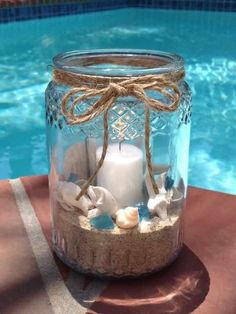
119 64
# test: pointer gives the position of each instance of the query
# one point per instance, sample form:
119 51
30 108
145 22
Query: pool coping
19 10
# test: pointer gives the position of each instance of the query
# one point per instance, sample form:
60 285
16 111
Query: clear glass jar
121 224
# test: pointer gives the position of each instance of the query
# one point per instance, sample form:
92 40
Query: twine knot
105 91
118 90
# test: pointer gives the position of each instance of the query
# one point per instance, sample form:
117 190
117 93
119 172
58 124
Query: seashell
158 205
81 182
160 168
68 192
160 183
80 160
92 213
64 205
75 162
127 218
58 197
103 200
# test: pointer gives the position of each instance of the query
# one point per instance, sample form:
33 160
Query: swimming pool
204 39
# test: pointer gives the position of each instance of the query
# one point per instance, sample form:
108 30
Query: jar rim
120 62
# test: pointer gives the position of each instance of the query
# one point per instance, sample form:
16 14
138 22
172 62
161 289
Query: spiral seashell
127 218
67 193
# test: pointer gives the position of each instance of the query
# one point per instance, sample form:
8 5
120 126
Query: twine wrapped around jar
107 90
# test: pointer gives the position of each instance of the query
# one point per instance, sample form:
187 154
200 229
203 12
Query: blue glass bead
169 182
143 211
102 222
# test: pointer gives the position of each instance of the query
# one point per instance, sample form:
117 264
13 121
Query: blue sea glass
169 182
102 222
143 211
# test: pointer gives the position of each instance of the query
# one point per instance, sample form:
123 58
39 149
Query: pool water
204 39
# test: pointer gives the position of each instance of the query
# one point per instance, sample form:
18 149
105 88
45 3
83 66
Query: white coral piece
158 203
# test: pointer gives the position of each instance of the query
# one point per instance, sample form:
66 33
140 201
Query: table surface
33 280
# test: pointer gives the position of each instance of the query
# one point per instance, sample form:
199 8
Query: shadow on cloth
179 289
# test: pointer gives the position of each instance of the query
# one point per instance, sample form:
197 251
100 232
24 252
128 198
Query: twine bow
108 90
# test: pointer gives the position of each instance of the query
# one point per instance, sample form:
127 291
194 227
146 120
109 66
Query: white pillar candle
122 173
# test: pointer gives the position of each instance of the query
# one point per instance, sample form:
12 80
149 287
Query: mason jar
118 127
